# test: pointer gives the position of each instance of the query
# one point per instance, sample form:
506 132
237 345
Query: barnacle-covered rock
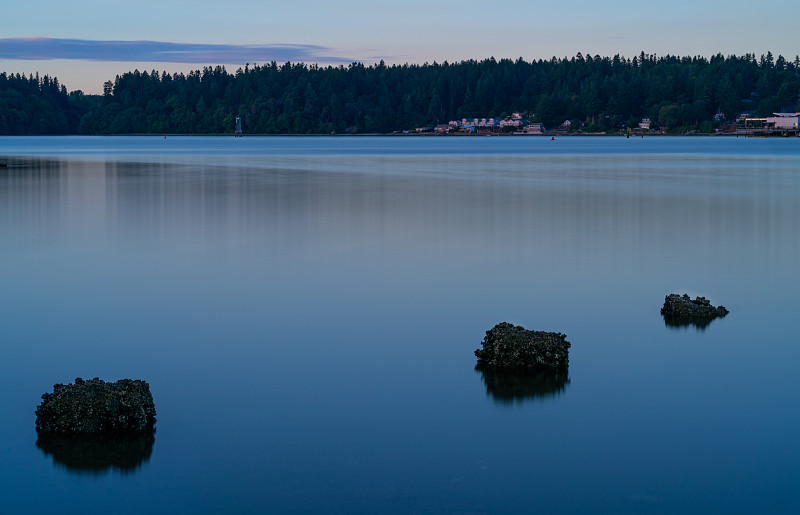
512 346
682 310
97 407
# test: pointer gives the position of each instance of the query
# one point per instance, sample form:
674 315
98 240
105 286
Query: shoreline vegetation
581 95
545 135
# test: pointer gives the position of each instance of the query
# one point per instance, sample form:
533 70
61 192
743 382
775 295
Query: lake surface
306 310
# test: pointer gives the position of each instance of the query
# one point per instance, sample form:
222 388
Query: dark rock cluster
511 346
98 408
682 310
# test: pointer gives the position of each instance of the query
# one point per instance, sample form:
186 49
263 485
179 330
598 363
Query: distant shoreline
373 134
411 135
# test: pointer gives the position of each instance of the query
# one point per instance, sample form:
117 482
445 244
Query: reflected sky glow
306 311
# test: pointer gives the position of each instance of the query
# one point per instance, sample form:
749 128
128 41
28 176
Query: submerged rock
96 407
682 310
512 346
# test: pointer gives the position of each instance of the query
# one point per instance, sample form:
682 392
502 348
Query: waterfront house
533 128
510 123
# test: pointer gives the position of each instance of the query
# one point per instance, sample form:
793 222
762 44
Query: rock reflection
682 323
96 454
514 385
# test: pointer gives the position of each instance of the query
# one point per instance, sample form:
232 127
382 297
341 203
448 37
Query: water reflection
509 386
31 192
677 322
97 455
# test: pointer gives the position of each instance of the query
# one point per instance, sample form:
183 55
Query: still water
306 310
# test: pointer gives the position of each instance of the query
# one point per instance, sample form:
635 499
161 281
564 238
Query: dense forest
603 93
38 105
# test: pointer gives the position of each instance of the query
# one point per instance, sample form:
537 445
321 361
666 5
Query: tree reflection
507 386
98 454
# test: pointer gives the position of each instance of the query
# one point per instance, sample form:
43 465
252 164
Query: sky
86 42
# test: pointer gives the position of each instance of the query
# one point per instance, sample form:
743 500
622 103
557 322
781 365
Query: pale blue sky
413 31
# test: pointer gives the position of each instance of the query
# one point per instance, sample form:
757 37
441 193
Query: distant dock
767 132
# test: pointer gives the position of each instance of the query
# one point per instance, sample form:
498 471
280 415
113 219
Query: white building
783 120
784 124
534 128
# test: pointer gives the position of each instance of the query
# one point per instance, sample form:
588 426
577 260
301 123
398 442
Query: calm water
306 310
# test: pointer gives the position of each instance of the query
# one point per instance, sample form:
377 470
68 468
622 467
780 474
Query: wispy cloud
42 48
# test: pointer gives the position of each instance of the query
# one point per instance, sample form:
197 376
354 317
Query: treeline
38 105
604 93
